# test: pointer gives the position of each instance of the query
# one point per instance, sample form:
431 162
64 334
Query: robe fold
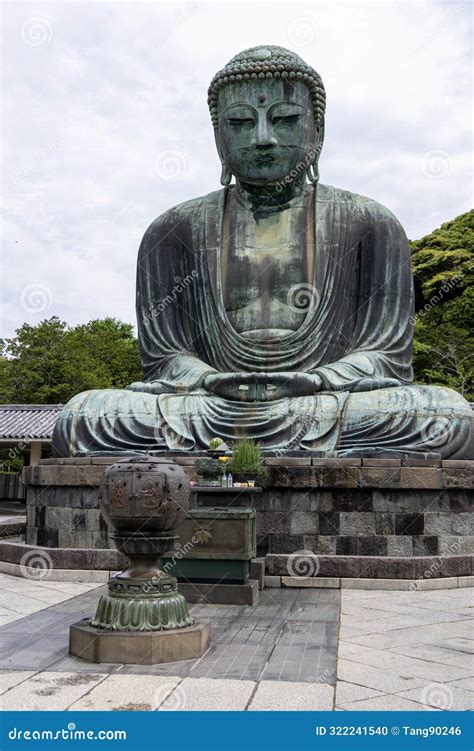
360 326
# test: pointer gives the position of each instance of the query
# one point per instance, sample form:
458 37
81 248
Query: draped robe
360 327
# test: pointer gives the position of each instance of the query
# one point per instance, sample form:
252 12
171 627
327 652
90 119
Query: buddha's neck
267 199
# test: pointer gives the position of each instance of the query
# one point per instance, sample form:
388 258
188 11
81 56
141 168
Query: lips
264 160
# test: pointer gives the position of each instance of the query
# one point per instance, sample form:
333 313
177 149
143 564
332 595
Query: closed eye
285 119
238 121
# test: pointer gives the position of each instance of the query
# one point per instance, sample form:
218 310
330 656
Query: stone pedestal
138 647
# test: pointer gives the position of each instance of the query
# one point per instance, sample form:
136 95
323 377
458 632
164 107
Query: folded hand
255 387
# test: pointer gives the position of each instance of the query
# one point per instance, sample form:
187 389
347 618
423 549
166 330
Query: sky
105 125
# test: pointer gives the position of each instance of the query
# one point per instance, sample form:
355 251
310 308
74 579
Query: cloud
106 125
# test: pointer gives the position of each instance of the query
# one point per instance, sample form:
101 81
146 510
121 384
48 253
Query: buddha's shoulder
355 203
186 212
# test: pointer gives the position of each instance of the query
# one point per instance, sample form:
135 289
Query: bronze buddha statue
276 308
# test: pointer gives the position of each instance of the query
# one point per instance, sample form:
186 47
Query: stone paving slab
428 634
419 668
435 654
351 692
127 692
290 635
466 683
388 702
285 696
49 691
462 644
21 596
209 695
376 678
442 696
415 666
10 678
278 655
303 664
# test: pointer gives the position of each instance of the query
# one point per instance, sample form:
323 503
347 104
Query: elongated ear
313 169
226 174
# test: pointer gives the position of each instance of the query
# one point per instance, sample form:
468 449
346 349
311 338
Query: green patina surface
276 308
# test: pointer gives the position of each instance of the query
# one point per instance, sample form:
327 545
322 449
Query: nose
264 135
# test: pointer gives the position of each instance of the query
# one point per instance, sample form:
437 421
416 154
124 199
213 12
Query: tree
443 266
50 362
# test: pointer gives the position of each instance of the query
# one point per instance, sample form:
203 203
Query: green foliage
51 362
247 460
12 460
210 468
443 266
446 253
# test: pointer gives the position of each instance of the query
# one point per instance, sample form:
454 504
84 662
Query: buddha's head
267 108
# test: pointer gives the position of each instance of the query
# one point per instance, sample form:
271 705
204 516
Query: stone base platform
13 529
85 565
304 568
60 564
136 647
369 507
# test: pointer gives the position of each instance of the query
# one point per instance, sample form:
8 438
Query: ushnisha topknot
268 62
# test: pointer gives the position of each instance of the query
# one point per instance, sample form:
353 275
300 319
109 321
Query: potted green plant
246 464
210 471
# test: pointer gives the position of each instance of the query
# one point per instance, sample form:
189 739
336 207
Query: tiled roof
28 421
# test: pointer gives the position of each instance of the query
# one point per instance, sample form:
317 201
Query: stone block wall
62 505
65 517
334 507
369 522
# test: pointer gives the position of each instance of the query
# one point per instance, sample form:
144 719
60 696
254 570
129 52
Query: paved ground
12 508
298 649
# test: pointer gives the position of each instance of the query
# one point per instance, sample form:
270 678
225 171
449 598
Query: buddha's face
266 130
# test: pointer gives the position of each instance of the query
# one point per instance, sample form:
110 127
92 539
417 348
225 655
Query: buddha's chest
265 264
